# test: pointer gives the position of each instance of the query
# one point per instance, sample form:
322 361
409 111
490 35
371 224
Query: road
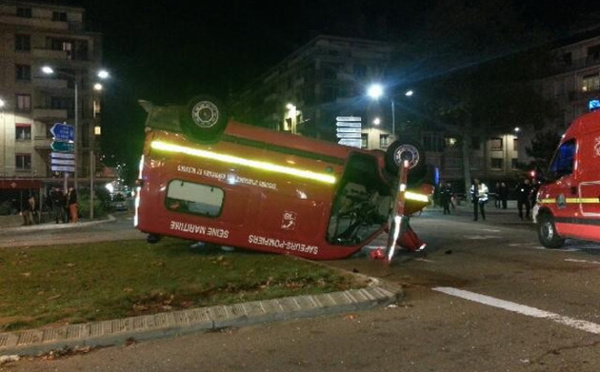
528 309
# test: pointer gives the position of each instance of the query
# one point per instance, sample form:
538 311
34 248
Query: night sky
167 51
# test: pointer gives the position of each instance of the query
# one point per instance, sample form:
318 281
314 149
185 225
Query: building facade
34 35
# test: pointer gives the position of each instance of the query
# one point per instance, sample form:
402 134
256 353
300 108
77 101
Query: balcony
41 113
50 83
41 143
49 54
33 22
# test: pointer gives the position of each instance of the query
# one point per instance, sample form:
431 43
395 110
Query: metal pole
393 118
76 134
92 168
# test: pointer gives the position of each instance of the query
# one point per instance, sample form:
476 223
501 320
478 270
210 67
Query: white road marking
582 261
582 325
481 237
490 230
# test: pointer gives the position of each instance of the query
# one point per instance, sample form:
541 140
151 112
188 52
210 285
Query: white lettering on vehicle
233 179
282 244
597 146
199 229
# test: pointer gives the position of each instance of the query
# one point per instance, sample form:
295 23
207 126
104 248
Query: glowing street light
375 91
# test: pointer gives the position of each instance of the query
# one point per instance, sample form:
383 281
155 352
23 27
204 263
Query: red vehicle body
258 189
568 206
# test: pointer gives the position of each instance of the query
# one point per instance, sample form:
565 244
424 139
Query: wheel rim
547 230
205 114
406 152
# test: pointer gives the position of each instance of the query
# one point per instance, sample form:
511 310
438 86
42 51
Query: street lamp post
102 74
375 91
2 104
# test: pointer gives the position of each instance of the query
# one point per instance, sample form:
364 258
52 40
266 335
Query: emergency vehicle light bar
224 158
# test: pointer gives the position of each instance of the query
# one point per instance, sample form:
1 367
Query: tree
542 149
479 65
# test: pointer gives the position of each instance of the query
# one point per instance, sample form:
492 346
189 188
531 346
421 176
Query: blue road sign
63 132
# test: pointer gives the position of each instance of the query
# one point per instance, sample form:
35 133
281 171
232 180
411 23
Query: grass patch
41 286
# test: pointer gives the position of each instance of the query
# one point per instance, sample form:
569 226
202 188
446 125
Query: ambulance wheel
406 149
153 238
547 234
203 118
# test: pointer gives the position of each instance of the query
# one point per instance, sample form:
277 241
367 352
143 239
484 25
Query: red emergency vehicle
206 178
568 204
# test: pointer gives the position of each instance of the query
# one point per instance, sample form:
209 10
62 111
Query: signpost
63 148
349 130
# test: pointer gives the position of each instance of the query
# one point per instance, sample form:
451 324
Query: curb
169 324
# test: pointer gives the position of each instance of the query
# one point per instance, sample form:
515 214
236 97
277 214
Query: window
23 12
475 143
22 42
194 198
563 161
59 16
22 132
23 162
23 72
496 144
594 52
23 102
590 83
567 58
497 163
364 140
384 141
514 164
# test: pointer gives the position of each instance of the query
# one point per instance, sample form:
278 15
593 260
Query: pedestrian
503 194
479 196
58 205
25 213
523 198
446 197
72 204
32 209
497 199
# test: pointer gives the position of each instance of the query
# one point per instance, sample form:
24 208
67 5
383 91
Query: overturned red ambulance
206 178
568 203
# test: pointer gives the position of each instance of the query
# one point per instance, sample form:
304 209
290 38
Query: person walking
503 194
479 196
58 205
446 197
72 204
523 198
497 199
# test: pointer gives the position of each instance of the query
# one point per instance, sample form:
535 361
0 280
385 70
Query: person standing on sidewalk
503 194
523 198
72 203
445 197
58 205
479 196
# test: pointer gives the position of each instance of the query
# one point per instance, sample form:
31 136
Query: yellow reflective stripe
417 197
230 159
572 201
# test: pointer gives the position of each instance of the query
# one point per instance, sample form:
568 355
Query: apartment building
576 78
33 35
325 79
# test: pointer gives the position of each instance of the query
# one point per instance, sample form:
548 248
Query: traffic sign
62 146
348 124
348 118
349 135
63 132
63 161
351 142
62 155
62 168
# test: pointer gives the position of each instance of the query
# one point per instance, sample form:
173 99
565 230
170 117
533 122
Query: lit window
23 102
496 144
384 140
22 132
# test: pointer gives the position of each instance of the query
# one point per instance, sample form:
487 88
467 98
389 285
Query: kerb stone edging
145 327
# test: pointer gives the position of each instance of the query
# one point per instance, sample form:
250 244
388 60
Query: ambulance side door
589 186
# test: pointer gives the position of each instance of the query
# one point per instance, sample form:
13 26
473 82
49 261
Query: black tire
204 118
547 234
406 149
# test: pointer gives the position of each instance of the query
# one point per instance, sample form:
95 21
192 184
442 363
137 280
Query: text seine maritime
199 229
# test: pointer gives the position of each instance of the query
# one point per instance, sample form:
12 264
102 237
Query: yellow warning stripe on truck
572 200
